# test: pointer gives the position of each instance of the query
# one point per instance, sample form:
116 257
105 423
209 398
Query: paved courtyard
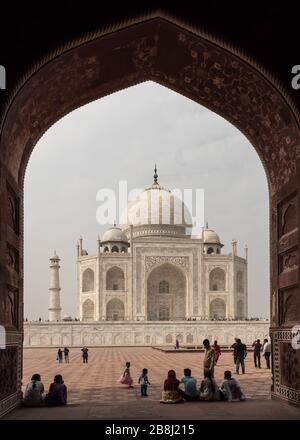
93 391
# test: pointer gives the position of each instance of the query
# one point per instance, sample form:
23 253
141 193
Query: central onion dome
156 211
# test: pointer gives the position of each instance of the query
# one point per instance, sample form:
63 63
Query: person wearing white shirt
34 393
267 352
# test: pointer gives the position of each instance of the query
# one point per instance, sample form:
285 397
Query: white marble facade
152 269
147 333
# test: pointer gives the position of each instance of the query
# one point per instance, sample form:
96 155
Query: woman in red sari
217 350
171 386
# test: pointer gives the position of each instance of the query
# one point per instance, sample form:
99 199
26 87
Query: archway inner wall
218 77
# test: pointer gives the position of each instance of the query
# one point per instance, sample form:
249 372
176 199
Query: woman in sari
171 389
126 378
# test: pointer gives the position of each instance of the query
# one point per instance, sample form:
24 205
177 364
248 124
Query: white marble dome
114 234
156 205
209 236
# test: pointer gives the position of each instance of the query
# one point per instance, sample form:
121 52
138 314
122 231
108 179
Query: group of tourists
179 391
63 354
174 390
35 395
240 354
185 390
264 349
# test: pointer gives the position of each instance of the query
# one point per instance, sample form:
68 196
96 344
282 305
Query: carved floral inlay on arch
154 261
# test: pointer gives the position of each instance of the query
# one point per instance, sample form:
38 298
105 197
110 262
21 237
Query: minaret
54 289
246 252
234 247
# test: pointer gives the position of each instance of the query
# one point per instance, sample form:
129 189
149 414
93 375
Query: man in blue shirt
190 391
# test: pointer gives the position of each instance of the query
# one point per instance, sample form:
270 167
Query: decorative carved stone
289 261
9 371
287 216
290 306
9 307
290 362
274 309
151 262
288 274
12 258
41 334
12 209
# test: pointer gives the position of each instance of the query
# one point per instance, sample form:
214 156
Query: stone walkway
93 391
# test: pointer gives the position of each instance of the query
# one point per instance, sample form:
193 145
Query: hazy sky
120 137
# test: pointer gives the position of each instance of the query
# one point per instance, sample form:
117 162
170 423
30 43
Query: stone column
246 283
54 289
98 303
233 298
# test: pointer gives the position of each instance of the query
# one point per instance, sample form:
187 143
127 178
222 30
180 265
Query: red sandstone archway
192 63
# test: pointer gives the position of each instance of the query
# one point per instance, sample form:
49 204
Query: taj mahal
153 270
150 281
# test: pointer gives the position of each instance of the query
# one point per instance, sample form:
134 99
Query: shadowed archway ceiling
157 50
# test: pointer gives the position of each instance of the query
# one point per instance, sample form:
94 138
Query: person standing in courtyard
209 358
217 349
85 355
126 378
267 352
257 346
177 344
59 357
66 354
240 355
144 382
234 351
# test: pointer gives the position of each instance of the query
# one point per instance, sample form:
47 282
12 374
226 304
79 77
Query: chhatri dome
114 234
156 211
209 235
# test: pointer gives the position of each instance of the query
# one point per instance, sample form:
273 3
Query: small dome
209 236
67 318
55 257
114 234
